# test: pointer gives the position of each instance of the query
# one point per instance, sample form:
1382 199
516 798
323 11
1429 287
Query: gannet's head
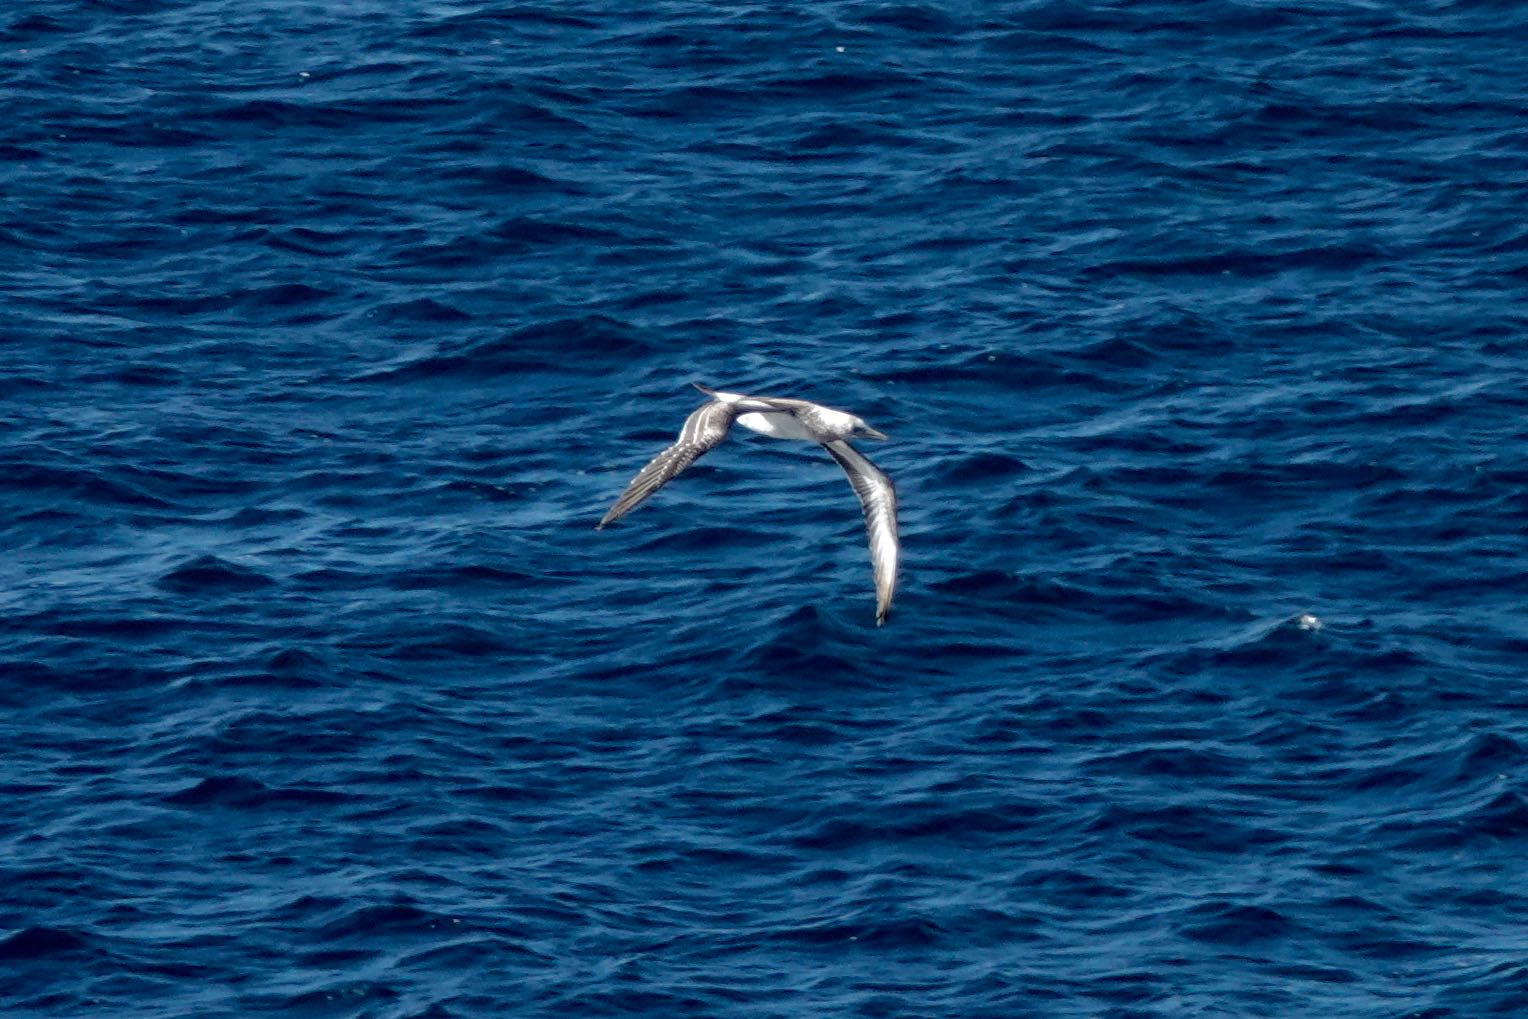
864 431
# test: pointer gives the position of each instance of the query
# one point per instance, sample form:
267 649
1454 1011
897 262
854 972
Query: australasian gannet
785 419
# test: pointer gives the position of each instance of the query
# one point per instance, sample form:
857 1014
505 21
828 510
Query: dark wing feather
702 430
879 501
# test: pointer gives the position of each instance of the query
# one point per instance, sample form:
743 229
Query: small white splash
1308 621
839 48
304 74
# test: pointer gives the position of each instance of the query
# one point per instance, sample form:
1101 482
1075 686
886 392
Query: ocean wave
329 335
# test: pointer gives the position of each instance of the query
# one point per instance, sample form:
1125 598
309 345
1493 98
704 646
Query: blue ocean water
329 331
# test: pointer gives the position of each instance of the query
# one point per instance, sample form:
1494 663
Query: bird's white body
783 425
776 426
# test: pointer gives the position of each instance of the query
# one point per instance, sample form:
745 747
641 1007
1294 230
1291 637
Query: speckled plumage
784 418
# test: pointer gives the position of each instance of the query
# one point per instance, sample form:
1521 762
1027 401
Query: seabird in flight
784 419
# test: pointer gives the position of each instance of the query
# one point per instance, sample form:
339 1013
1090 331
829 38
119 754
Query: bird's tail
703 389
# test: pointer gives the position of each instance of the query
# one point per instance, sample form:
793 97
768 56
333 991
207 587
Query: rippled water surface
329 331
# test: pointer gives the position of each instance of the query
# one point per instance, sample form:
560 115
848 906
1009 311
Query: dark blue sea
328 332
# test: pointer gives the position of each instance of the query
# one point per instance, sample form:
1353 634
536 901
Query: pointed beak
871 433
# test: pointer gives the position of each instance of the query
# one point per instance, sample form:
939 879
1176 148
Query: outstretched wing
702 430
879 501
756 404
